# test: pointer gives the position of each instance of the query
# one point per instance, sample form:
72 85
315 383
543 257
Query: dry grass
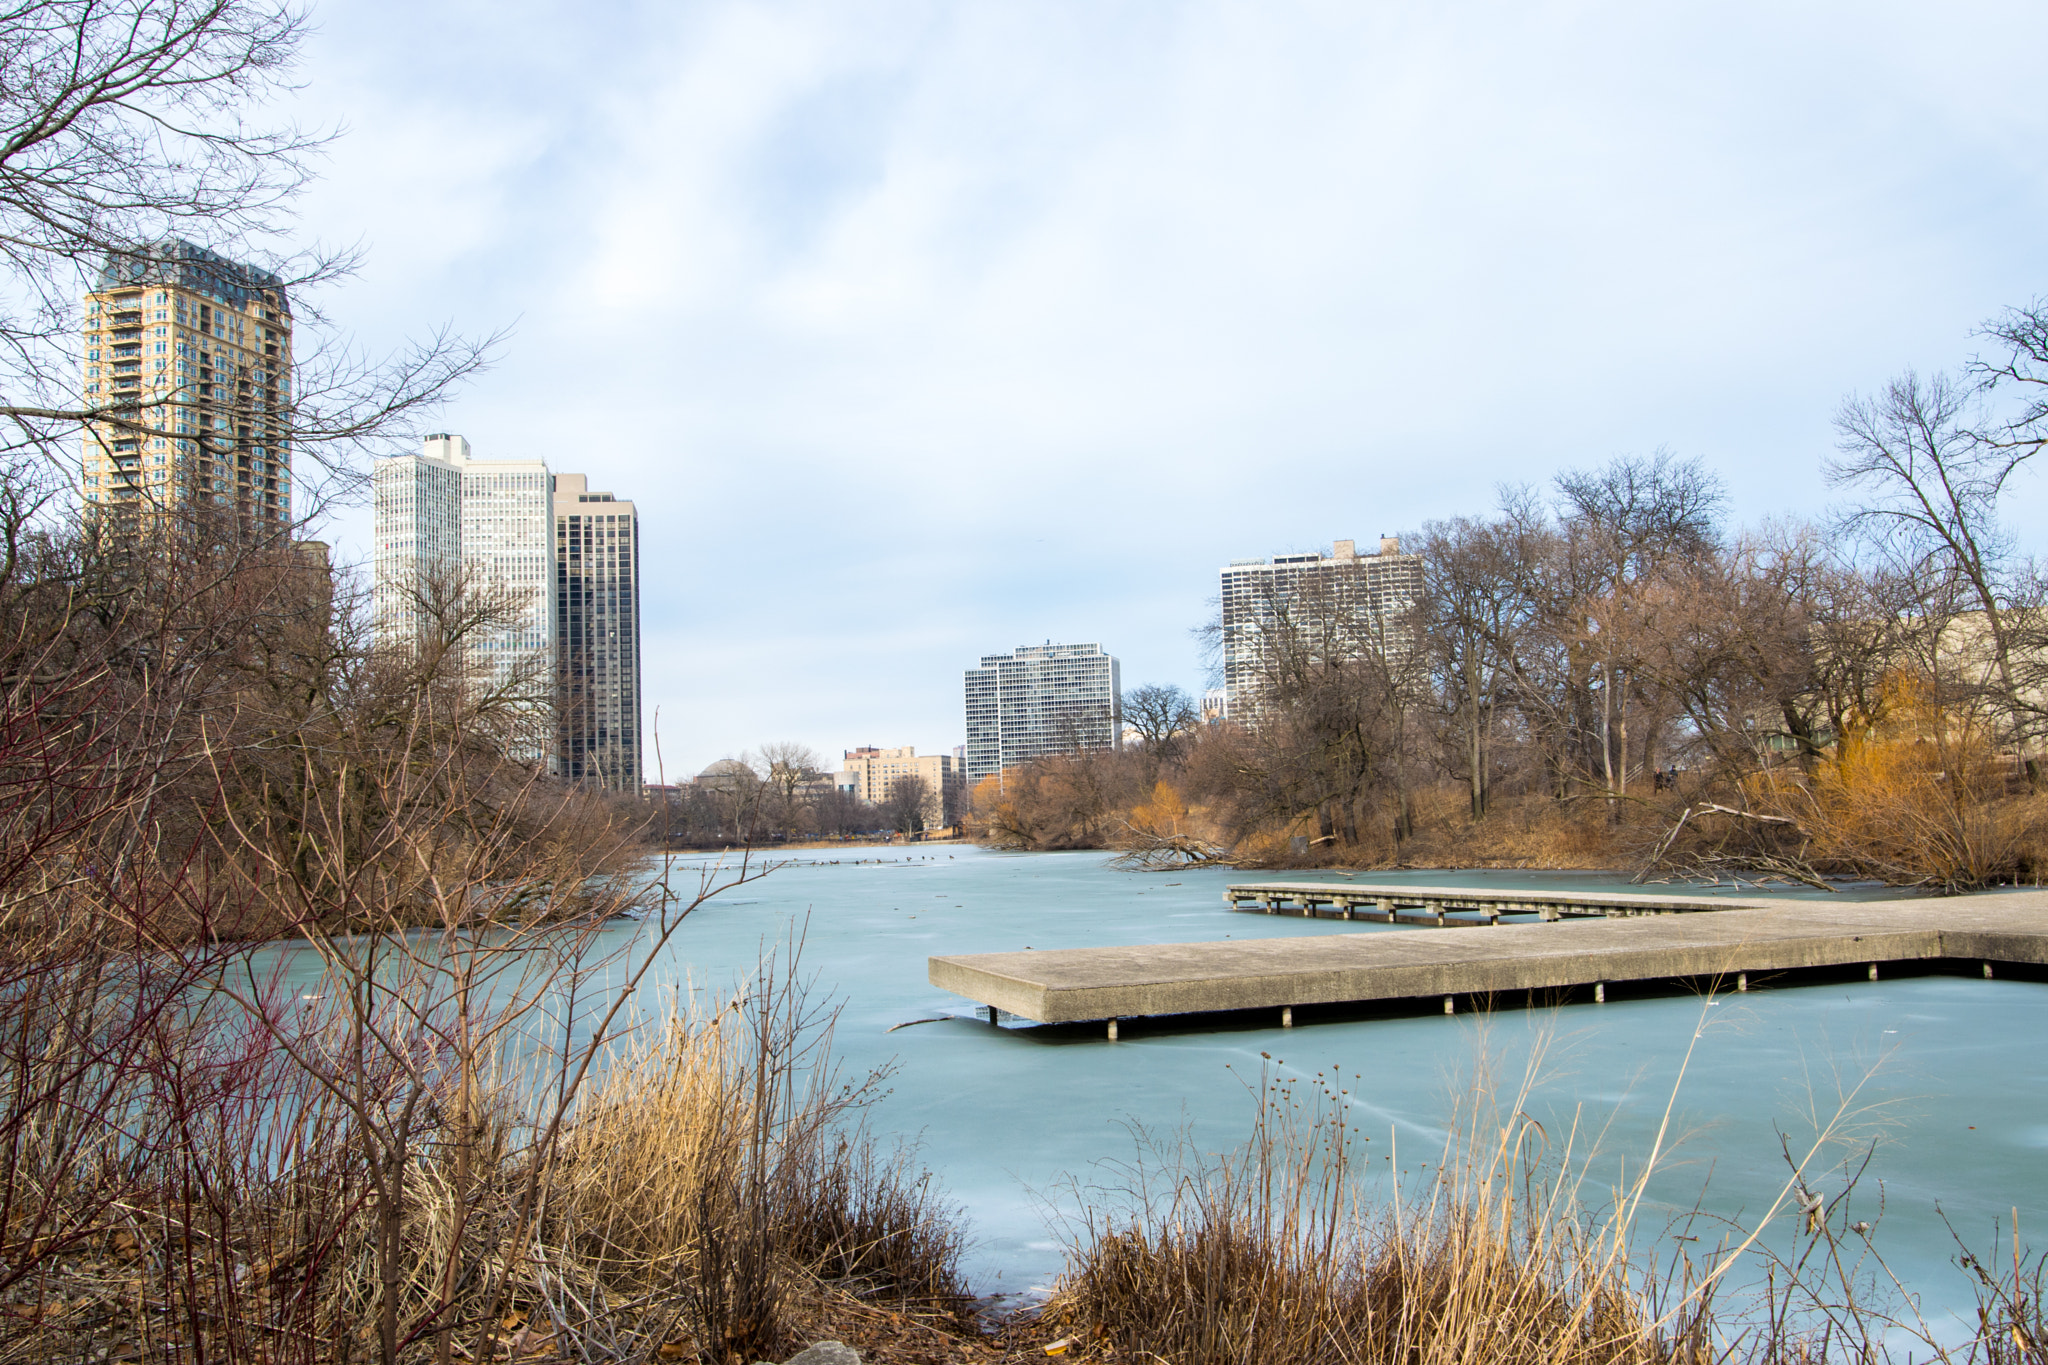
1907 828
713 1193
1283 1253
1520 832
1270 1256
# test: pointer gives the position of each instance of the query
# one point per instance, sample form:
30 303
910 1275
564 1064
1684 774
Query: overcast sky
920 330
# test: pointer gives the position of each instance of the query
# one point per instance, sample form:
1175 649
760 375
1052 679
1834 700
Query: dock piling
1450 1004
1439 906
1599 992
1742 981
1287 1016
994 1019
1987 971
1112 1030
1873 971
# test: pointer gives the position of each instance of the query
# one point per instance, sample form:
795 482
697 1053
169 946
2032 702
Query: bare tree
1931 481
911 805
1632 523
1651 511
1476 620
126 122
1163 715
740 793
788 768
2021 333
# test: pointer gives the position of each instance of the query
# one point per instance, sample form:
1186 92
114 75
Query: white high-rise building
1359 604
1040 700
447 520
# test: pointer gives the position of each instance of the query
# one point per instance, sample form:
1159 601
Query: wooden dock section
1434 906
1073 984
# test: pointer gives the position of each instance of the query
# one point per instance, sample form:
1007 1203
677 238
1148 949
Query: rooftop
188 265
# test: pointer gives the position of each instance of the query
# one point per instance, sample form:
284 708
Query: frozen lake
1951 1074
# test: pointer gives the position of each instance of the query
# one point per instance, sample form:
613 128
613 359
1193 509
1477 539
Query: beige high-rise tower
188 356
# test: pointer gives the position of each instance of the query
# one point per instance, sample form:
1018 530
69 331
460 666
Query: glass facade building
1040 700
565 558
448 522
597 632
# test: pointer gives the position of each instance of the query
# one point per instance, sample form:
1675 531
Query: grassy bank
712 1194
1906 834
1521 832
1287 1251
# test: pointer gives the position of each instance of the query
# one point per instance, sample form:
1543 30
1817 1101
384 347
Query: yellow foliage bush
1909 793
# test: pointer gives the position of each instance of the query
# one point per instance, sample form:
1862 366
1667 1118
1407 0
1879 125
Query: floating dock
1510 964
1471 905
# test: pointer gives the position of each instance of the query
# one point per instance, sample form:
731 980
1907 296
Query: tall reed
1289 1250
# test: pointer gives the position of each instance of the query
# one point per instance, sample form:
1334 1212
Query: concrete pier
1063 985
1436 904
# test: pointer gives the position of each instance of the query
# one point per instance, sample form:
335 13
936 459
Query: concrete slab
1061 985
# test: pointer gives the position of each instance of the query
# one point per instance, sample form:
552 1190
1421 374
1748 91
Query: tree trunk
1621 776
1475 731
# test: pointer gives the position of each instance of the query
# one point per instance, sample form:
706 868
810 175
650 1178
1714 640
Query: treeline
320 1033
314 1003
783 792
198 715
1604 669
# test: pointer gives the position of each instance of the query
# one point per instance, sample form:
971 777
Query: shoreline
808 845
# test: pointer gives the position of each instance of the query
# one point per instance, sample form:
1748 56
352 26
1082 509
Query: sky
920 331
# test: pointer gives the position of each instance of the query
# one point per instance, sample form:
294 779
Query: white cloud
921 329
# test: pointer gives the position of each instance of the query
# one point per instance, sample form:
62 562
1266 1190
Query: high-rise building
872 774
449 523
597 632
1362 604
565 560
188 364
1040 700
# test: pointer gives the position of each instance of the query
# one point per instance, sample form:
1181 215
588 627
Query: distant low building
871 774
1041 700
726 775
